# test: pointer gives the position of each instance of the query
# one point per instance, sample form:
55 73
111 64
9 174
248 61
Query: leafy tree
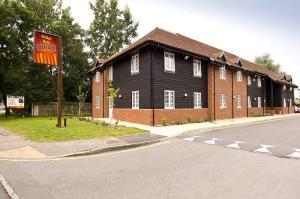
112 95
266 61
81 97
111 29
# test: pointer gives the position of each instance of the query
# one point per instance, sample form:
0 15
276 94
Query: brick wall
240 88
211 94
255 111
142 116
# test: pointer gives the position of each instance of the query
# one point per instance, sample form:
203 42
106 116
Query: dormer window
222 56
239 62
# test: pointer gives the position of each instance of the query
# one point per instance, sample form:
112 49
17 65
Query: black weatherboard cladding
254 91
123 79
182 81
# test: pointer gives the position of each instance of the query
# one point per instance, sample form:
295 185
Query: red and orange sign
46 48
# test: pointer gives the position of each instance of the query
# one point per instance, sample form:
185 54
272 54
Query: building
169 78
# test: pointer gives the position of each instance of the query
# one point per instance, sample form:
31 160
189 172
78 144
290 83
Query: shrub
189 120
164 121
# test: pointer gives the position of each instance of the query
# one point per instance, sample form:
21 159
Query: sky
247 28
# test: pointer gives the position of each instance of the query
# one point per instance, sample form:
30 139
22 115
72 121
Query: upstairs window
97 102
249 102
135 99
239 76
135 68
291 88
97 78
197 100
110 73
223 103
284 87
239 101
259 81
249 80
259 102
197 68
222 72
169 97
169 62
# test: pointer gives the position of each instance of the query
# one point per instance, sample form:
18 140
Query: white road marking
264 149
8 188
296 154
235 145
191 139
212 141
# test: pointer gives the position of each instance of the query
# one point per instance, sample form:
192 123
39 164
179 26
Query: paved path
174 170
279 138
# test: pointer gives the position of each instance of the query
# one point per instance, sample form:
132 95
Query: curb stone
9 190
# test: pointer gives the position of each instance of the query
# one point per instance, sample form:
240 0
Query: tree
112 94
266 61
111 29
81 97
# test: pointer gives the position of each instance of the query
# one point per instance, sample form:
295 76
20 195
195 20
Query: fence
68 108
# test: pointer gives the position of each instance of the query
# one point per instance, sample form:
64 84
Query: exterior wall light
120 96
186 57
185 94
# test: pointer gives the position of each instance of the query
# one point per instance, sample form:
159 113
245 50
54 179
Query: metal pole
59 87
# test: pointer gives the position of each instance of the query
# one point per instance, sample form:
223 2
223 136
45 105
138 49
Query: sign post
14 102
47 50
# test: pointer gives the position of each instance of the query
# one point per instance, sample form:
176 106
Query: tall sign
47 50
15 102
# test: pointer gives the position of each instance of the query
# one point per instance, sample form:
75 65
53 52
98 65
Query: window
169 62
97 78
284 102
249 80
284 87
223 101
197 68
110 73
239 76
291 88
291 102
169 99
222 72
258 81
249 102
259 102
135 99
135 68
239 101
97 101
197 100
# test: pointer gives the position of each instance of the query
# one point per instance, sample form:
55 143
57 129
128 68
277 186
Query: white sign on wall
15 101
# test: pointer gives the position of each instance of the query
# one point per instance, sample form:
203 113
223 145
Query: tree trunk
7 111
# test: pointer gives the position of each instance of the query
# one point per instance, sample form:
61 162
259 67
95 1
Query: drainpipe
232 97
247 104
264 90
272 98
214 92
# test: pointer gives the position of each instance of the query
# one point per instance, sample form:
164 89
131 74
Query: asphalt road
178 168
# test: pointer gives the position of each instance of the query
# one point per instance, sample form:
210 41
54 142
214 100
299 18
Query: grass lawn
43 129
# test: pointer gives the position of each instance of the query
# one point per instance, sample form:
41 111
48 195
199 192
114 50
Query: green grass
43 129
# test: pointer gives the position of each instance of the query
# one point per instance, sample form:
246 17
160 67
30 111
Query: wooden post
59 86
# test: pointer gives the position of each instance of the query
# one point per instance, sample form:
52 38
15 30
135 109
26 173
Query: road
187 166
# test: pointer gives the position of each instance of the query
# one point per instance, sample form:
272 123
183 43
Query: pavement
175 169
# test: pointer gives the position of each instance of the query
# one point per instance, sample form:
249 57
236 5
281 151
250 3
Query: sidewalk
175 130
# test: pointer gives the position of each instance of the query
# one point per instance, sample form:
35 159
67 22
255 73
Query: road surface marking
212 141
8 188
296 154
235 145
264 149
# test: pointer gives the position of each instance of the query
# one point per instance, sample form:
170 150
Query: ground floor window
197 100
239 101
249 102
169 99
223 103
284 102
259 102
291 102
97 101
135 99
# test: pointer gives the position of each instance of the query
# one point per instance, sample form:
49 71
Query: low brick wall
283 110
255 111
180 115
142 116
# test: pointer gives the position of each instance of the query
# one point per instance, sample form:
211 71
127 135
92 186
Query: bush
189 120
164 121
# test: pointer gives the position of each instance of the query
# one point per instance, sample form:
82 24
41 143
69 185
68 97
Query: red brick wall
255 111
283 110
180 115
240 88
211 94
142 116
223 86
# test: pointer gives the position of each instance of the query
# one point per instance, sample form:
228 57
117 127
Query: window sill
223 107
169 71
135 108
198 76
134 73
197 107
169 108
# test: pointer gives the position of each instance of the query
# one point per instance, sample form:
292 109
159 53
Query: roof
182 42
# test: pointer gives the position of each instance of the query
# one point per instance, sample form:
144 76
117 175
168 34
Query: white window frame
249 80
239 77
259 81
249 102
222 72
291 102
169 62
239 101
259 102
135 99
197 100
284 87
223 101
291 88
169 102
135 64
197 68
97 102
110 73
284 102
97 77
